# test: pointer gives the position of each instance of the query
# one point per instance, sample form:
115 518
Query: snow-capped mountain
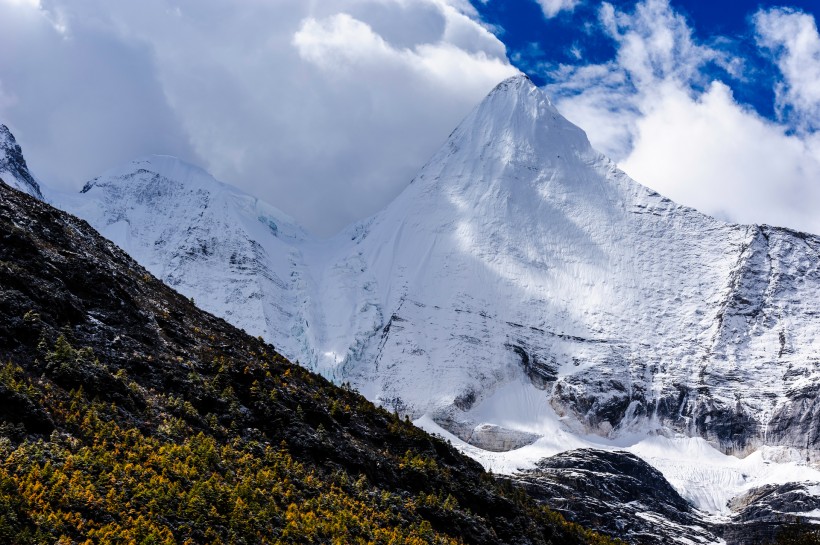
233 254
520 252
522 296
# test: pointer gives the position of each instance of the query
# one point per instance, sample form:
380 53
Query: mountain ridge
615 315
513 97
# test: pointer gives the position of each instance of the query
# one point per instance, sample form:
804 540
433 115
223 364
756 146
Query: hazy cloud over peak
325 109
328 108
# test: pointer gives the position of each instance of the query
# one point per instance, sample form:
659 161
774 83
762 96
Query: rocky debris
772 501
497 439
618 494
486 436
761 513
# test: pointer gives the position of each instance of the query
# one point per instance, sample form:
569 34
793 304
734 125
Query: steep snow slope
13 168
517 253
520 251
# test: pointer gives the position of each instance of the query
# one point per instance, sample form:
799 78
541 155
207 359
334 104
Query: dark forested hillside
127 415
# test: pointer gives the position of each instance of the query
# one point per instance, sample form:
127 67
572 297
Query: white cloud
325 109
655 43
79 101
339 41
791 38
654 110
551 8
343 46
7 100
712 154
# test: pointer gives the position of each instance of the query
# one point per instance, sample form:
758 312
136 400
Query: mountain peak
153 177
156 167
513 82
199 235
517 124
13 168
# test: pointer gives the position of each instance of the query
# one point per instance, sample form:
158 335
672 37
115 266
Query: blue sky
536 43
328 108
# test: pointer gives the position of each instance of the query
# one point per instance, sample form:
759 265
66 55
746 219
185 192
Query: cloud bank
791 39
325 109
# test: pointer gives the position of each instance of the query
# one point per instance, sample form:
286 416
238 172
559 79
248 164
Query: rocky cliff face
619 494
13 168
758 516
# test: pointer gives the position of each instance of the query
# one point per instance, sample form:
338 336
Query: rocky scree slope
128 413
779 513
617 493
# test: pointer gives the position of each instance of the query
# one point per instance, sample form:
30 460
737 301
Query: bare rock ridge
758 515
621 495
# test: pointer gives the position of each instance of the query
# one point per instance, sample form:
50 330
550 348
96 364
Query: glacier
521 297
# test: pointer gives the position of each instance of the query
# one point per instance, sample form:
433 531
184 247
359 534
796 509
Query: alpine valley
645 369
